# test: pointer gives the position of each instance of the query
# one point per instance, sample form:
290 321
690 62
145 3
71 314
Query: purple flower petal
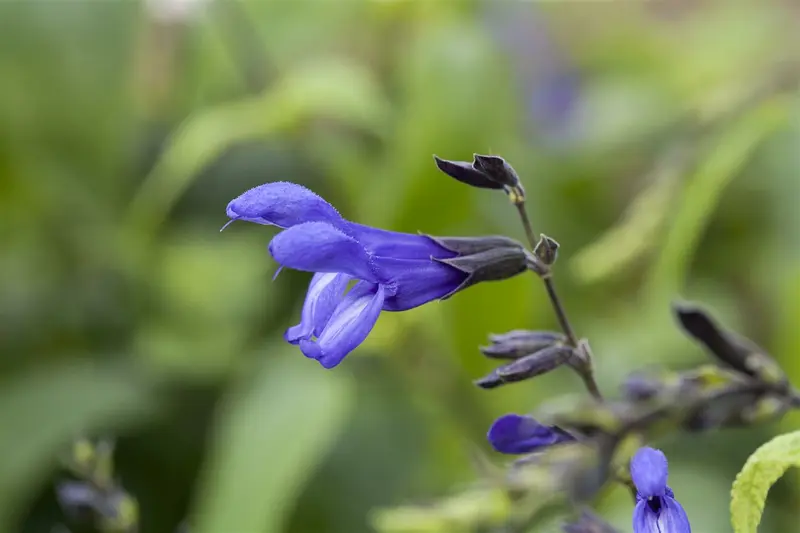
550 81
324 293
320 247
644 520
673 518
349 325
282 204
73 494
649 472
416 282
395 244
517 434
660 515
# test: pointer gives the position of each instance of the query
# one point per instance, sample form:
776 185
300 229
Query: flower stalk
582 361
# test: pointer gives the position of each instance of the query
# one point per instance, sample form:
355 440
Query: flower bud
486 172
638 387
546 250
466 173
527 367
77 499
732 350
524 334
641 386
496 169
519 343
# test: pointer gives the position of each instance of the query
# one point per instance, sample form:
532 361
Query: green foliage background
124 311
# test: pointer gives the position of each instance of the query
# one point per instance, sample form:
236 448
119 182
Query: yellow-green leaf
760 472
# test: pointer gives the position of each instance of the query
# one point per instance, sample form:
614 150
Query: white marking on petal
340 321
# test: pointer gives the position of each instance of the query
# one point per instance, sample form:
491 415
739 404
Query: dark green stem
585 368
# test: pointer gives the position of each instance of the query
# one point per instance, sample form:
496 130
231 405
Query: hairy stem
558 307
526 224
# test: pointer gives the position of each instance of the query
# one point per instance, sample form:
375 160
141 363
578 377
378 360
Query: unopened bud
546 250
732 350
466 173
516 344
497 169
527 367
524 334
639 387
486 172
645 385
77 499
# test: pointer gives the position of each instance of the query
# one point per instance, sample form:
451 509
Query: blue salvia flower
392 271
518 434
550 81
657 510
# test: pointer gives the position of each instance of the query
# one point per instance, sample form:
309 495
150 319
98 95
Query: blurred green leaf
66 91
760 472
639 228
48 406
333 89
720 49
729 152
271 435
197 280
456 100
460 513
205 304
618 112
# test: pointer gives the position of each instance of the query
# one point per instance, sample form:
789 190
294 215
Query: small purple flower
391 271
75 495
518 434
657 510
542 68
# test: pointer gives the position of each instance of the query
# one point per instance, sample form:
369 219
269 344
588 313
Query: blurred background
659 143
